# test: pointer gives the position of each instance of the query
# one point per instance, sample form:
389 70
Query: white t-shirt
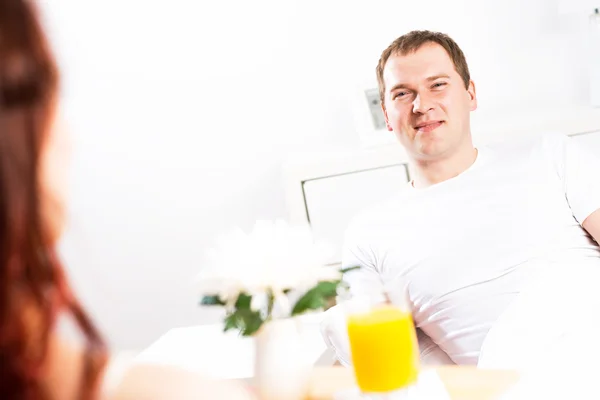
467 246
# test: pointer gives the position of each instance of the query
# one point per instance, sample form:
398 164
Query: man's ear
387 123
472 96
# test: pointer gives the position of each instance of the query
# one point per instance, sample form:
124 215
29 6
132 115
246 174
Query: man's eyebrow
398 86
429 79
435 77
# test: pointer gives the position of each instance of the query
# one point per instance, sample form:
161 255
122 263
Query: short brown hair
411 42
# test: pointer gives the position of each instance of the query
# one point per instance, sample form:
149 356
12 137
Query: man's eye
439 84
399 94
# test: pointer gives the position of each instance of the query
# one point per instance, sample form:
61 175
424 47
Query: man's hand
592 225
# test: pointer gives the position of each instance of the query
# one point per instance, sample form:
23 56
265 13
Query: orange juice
384 349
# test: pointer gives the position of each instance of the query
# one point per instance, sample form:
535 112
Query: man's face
426 104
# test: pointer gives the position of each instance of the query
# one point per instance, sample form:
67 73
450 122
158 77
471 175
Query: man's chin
426 146
431 148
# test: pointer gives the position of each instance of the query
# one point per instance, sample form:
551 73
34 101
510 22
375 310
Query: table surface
462 383
205 349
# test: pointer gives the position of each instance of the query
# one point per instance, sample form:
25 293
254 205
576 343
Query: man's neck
430 172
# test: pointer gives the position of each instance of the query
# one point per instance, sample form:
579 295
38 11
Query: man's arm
592 225
578 167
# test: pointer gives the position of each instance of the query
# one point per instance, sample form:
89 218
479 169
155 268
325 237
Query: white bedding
552 324
551 333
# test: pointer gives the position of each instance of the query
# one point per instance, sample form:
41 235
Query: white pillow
333 329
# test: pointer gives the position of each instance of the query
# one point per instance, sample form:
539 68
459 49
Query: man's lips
428 126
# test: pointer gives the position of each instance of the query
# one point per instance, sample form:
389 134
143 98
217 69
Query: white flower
274 256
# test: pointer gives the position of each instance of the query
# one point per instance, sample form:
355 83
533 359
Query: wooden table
462 383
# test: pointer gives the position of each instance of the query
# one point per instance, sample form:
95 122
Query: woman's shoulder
116 368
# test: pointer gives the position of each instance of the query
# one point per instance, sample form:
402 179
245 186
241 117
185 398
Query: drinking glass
383 345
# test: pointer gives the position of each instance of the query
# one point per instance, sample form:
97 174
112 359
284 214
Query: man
474 225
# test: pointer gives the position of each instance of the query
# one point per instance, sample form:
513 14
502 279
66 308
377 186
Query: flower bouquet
264 279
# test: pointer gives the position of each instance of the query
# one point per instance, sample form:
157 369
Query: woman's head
33 289
30 146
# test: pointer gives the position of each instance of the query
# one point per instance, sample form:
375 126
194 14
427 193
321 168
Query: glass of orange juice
383 346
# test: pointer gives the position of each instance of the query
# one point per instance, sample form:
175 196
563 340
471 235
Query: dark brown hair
411 42
33 287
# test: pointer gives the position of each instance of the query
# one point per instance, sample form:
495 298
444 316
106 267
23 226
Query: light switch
374 102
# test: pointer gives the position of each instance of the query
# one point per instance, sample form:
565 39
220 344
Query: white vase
282 368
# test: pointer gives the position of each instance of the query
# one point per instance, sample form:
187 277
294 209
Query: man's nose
422 104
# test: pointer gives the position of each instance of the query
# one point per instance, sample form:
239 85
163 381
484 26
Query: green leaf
246 321
243 301
328 288
211 301
243 318
252 322
316 298
346 270
270 303
231 322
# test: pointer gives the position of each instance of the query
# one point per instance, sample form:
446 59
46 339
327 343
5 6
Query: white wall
182 112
